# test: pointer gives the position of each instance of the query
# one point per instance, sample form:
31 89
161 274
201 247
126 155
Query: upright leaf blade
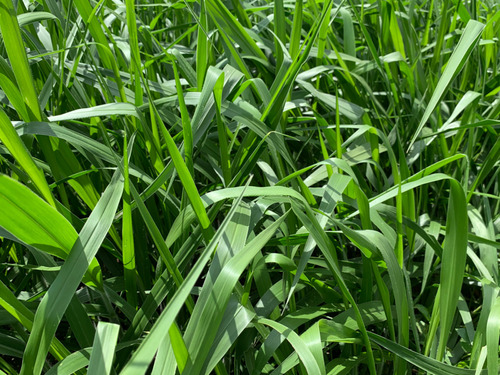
103 348
453 261
468 40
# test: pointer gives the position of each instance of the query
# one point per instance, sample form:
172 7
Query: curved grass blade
34 222
420 360
307 358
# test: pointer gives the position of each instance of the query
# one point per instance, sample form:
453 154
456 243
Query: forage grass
238 187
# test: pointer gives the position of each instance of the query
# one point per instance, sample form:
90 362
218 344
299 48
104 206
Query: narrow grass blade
8 84
302 350
486 168
72 363
202 47
187 179
27 18
423 362
103 110
21 313
295 36
165 363
236 319
329 253
187 130
128 251
226 21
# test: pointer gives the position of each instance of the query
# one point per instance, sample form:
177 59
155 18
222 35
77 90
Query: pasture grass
249 187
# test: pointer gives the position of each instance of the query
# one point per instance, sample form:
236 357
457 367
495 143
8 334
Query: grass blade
452 262
469 39
17 148
103 349
55 302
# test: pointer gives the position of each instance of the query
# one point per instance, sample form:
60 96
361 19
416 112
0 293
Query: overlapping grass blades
55 302
235 187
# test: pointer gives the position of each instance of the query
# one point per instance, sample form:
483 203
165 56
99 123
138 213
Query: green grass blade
226 21
21 313
187 130
329 253
296 34
17 55
453 261
36 223
128 251
236 319
72 363
419 360
8 84
492 335
187 180
307 358
202 47
469 39
142 357
220 291
55 302
488 165
103 110
103 348
18 150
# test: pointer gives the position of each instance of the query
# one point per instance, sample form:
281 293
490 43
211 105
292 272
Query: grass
288 187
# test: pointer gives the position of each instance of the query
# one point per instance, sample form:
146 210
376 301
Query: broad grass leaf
17 53
37 224
492 336
72 363
112 109
452 261
103 348
31 17
236 319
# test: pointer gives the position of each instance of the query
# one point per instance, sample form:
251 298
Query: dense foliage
228 187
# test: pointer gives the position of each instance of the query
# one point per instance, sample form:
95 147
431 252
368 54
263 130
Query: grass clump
249 187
